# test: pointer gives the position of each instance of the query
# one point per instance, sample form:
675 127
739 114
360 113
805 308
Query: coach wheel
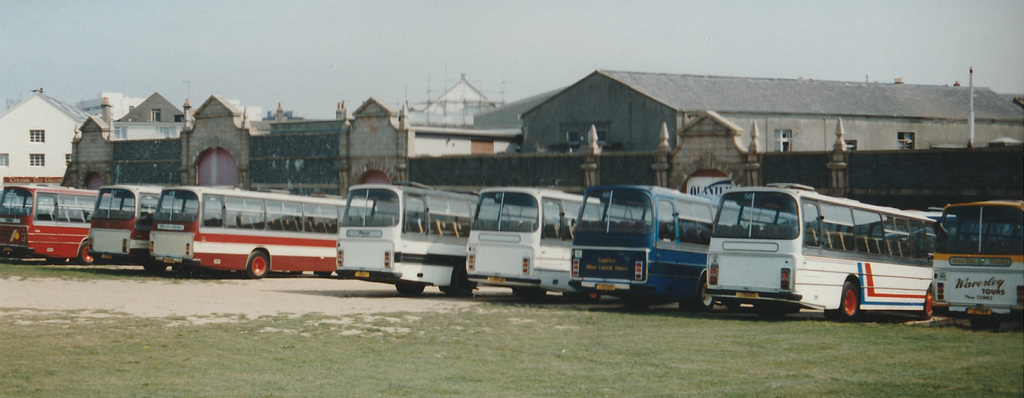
257 266
409 289
323 274
849 304
991 323
636 303
703 302
460 285
530 293
582 297
84 257
154 267
771 310
929 302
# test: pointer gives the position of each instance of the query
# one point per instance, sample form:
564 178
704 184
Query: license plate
169 260
496 279
747 295
362 274
605 286
979 311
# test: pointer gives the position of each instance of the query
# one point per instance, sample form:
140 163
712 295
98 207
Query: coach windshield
757 215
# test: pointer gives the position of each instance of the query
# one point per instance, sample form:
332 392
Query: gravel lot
198 301
209 300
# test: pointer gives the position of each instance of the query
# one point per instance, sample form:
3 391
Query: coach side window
553 216
666 221
812 224
213 211
46 207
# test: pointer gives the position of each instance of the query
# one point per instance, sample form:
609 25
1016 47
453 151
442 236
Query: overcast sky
309 55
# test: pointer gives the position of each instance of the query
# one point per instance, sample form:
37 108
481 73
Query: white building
35 140
120 104
454 108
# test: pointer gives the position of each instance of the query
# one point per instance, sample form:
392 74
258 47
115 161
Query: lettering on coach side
990 286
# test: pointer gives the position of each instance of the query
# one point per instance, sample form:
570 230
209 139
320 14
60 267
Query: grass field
498 350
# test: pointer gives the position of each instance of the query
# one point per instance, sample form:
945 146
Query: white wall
36 113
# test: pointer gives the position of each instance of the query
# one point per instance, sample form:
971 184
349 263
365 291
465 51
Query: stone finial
840 145
663 147
404 117
755 139
592 146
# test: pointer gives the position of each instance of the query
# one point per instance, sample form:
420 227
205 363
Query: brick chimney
188 114
280 113
106 110
341 113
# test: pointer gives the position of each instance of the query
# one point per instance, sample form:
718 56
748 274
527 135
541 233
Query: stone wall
481 171
807 168
300 163
146 162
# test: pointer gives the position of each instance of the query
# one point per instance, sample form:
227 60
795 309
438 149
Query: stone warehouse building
219 145
644 142
793 115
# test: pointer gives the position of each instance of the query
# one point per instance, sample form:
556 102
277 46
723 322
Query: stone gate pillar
591 172
838 166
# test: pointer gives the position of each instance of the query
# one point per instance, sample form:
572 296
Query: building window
67 159
783 140
37 136
904 140
5 160
120 132
37 159
577 135
155 114
167 132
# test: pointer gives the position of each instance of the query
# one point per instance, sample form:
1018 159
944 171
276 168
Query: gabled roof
462 91
142 112
814 97
801 96
68 110
217 106
374 107
508 115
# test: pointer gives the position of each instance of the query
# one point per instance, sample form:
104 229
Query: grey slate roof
71 111
800 96
507 116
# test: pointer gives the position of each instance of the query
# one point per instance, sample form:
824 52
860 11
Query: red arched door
375 177
93 181
217 167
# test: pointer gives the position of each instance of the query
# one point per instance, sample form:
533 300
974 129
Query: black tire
257 266
990 323
410 289
582 297
154 267
530 293
84 257
460 285
703 302
849 304
323 274
771 310
636 304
